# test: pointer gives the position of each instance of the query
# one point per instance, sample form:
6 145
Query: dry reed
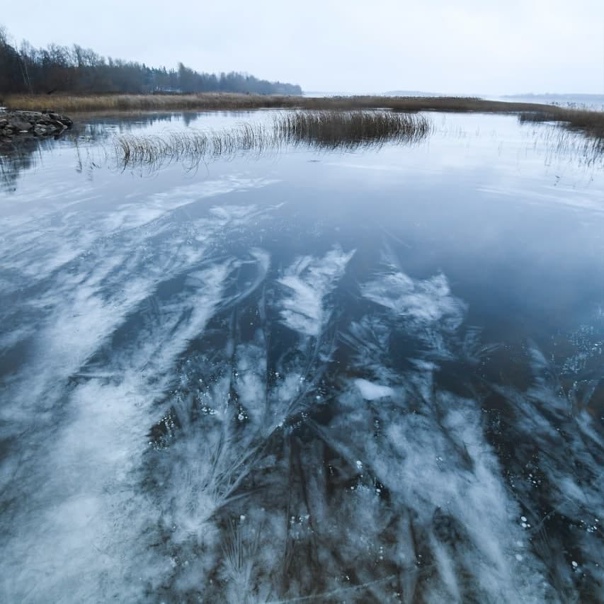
224 101
329 130
590 123
349 129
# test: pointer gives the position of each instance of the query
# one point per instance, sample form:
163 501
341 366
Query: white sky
458 47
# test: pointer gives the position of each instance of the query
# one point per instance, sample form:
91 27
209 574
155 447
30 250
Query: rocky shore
33 123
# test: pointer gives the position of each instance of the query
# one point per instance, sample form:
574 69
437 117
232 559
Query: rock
61 118
13 123
21 125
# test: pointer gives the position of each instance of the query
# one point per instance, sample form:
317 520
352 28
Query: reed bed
192 147
117 103
350 129
325 130
589 123
135 103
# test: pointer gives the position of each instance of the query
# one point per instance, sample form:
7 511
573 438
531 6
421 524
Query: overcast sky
452 46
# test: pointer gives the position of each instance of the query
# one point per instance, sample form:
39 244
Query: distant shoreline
118 103
589 122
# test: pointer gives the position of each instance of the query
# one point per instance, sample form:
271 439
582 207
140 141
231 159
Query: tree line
80 70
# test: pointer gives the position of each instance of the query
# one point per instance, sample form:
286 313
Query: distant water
370 376
577 101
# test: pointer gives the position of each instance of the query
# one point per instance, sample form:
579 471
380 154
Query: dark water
308 377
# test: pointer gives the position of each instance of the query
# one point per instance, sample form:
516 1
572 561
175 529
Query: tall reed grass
224 101
590 123
325 129
192 146
349 129
119 103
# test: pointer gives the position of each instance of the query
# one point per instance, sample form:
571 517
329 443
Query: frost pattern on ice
307 282
195 422
422 304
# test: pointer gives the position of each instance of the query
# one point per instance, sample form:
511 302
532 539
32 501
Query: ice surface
207 396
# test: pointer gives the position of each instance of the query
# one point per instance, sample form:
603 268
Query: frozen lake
307 376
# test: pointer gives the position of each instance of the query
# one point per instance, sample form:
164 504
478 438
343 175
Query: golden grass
117 103
224 101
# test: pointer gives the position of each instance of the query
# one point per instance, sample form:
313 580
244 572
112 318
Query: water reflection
360 377
148 143
16 157
24 153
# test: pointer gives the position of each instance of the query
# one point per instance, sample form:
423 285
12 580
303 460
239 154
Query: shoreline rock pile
36 123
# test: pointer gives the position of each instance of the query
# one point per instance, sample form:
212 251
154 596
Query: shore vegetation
589 122
318 129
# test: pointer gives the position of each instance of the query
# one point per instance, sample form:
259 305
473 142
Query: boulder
22 125
13 123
